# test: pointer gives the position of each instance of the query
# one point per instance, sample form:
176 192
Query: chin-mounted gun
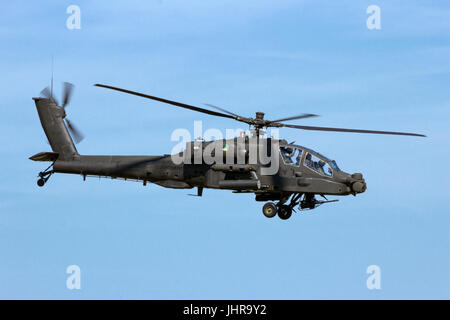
310 202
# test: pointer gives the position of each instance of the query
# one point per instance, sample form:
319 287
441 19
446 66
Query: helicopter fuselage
247 176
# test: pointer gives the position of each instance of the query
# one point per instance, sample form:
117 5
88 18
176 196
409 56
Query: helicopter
284 175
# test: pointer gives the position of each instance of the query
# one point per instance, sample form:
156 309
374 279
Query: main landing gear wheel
284 212
269 210
41 182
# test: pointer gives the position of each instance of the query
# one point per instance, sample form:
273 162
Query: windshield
318 165
332 163
291 155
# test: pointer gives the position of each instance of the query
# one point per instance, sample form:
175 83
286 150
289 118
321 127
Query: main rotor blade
300 116
76 134
221 109
67 93
178 104
351 130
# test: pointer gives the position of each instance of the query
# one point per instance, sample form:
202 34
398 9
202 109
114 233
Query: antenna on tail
51 84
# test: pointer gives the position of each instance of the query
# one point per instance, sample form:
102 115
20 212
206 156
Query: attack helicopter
283 175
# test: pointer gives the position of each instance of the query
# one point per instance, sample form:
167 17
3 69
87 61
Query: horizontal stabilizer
45 156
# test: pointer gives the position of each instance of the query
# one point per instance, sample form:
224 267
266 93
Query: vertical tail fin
52 120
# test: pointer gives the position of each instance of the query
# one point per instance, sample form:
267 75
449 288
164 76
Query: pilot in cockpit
299 158
289 154
319 166
308 161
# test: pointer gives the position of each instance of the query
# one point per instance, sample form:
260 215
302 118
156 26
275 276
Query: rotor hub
259 116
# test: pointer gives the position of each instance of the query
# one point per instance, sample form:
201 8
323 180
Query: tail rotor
76 134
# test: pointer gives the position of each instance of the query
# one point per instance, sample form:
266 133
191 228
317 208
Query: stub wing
45 156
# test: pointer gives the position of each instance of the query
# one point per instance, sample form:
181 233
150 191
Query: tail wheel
284 212
269 210
41 182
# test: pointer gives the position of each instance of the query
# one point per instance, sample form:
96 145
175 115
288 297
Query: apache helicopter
300 173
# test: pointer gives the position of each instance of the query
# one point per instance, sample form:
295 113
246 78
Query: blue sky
280 57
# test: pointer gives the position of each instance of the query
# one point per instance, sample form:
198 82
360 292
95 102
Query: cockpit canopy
296 156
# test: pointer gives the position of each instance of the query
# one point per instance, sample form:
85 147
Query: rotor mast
258 123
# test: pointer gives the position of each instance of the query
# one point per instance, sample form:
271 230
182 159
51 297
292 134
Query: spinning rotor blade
258 122
221 109
76 134
67 93
46 93
174 103
268 122
300 116
350 130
